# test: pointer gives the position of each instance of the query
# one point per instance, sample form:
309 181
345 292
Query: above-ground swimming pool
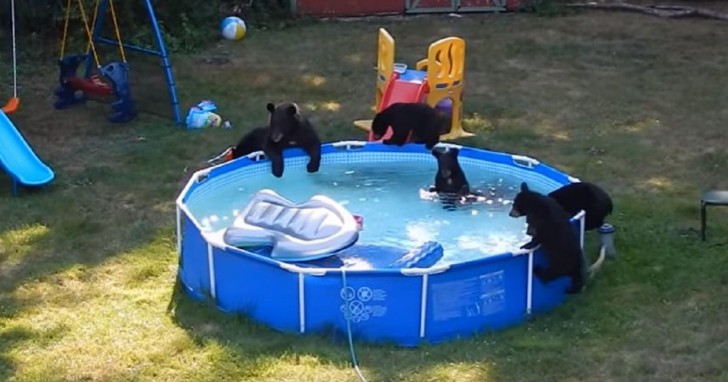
469 276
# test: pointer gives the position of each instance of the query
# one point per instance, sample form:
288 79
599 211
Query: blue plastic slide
18 159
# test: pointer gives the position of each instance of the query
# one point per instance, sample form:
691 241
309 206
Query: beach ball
233 28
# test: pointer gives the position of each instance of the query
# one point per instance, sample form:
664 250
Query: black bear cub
451 185
450 177
287 128
548 225
588 197
251 142
421 120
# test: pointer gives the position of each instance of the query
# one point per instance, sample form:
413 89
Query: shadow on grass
11 340
88 215
49 271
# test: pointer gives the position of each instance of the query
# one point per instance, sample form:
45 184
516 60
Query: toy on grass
111 79
233 28
436 80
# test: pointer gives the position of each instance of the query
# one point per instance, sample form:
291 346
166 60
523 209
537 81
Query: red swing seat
91 86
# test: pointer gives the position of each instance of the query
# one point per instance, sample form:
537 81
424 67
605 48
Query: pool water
392 197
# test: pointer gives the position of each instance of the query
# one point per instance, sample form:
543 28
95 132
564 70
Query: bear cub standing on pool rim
548 224
423 121
286 128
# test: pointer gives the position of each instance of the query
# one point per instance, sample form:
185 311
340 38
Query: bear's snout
514 213
276 137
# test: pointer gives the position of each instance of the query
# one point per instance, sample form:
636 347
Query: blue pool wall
406 307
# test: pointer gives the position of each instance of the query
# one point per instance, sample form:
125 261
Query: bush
544 7
186 24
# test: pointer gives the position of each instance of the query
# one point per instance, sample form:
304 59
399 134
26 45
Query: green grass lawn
636 104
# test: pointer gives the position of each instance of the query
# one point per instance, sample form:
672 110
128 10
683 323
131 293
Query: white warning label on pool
361 304
476 296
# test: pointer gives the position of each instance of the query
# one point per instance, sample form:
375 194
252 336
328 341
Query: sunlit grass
641 126
477 122
17 244
314 80
459 371
657 183
356 58
323 106
104 322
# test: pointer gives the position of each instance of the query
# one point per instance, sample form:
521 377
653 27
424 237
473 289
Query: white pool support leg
211 266
423 305
179 231
582 224
301 305
529 286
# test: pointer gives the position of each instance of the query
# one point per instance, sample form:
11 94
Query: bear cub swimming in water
450 178
451 184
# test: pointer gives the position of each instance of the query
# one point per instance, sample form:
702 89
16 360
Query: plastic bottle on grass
203 115
200 119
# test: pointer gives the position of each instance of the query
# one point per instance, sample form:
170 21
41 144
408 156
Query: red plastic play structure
399 90
437 80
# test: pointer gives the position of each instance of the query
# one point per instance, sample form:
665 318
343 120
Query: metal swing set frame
113 78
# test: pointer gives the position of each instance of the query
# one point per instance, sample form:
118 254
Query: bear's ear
292 109
271 107
436 153
524 187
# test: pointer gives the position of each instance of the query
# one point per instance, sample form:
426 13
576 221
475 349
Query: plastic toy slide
307 231
18 159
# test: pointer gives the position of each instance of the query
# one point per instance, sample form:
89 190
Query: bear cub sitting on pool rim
548 224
